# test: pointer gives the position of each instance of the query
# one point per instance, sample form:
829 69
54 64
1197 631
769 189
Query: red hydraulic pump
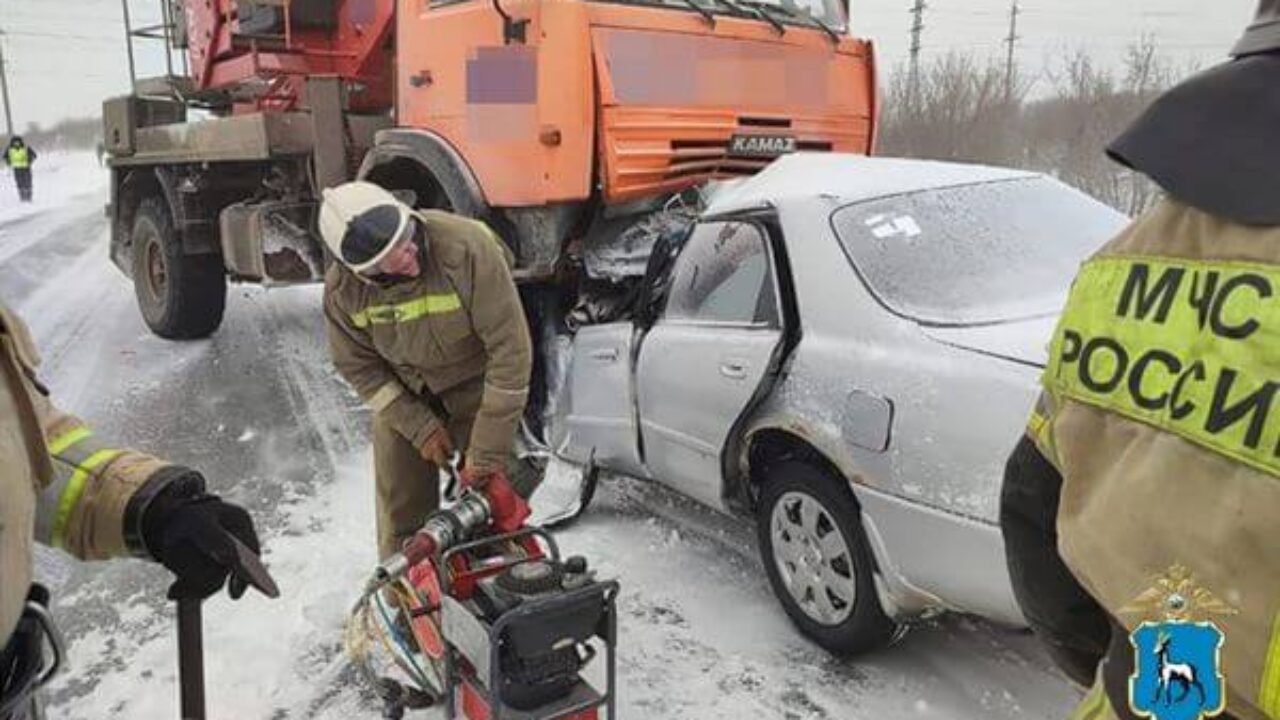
480 612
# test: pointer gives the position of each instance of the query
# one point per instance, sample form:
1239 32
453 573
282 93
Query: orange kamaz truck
565 124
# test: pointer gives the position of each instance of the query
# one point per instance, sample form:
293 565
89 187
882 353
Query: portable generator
483 614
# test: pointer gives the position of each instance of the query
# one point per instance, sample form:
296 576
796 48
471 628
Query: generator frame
480 643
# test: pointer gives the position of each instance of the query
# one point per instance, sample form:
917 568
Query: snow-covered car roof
849 179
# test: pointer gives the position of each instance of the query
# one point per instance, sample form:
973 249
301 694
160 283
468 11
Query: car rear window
975 254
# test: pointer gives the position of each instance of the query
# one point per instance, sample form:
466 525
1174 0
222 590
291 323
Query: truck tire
811 540
181 296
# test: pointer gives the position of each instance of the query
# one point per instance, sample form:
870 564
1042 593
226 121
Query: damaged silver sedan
844 349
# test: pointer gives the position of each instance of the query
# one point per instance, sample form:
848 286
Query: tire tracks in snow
320 400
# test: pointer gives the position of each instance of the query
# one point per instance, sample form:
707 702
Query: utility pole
1012 41
917 27
4 92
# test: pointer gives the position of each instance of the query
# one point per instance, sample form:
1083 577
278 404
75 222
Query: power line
61 36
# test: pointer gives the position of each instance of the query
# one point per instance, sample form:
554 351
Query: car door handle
734 369
607 355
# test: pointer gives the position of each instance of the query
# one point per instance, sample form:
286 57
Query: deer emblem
1172 673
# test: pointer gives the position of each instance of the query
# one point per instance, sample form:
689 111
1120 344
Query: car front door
600 425
705 357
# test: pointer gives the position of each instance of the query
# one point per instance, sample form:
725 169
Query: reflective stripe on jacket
59 485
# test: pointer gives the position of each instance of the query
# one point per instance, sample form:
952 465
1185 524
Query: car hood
1021 341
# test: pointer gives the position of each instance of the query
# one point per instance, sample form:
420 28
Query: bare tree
961 112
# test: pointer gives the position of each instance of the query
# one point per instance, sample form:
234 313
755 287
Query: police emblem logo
1177 671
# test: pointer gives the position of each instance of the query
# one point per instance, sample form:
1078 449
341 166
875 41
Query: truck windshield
804 13
827 14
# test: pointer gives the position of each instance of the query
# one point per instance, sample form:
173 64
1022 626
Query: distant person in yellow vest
20 157
1141 512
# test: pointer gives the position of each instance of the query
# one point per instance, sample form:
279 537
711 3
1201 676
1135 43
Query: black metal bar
494 682
450 687
191 659
610 647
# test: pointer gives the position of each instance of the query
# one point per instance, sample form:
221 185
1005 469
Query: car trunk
1021 341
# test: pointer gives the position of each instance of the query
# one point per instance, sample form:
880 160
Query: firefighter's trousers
408 487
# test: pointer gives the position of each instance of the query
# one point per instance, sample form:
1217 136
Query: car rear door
704 358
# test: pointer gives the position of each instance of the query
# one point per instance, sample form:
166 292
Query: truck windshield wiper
830 31
705 13
738 9
766 7
760 10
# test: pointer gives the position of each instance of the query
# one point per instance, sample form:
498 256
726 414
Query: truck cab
560 123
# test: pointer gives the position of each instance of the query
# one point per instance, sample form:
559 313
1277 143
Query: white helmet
361 223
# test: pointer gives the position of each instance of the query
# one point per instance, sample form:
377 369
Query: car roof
849 179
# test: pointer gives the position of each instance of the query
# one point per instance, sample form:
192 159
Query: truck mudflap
271 242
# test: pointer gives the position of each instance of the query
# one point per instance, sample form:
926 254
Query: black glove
190 532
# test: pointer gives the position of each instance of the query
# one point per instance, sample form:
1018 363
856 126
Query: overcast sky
64 56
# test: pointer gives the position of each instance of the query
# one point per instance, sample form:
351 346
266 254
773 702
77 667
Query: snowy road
258 410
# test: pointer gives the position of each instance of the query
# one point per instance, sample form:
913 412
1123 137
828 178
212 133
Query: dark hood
1263 34
1212 141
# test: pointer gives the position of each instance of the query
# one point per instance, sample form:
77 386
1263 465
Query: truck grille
699 157
648 151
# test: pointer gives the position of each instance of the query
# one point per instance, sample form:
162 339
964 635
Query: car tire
181 296
813 547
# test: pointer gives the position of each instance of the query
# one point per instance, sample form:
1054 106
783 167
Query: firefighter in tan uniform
425 323
1141 513
61 485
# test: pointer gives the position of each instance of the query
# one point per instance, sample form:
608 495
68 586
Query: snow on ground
258 409
60 177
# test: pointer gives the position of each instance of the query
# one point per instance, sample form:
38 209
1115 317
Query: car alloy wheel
813 558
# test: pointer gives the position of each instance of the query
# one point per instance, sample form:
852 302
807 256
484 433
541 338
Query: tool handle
191 659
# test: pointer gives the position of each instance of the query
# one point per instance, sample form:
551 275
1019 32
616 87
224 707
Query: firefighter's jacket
405 346
59 484
1161 413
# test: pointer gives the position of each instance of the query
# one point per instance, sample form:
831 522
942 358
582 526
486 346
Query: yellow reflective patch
1092 705
19 158
1036 424
1040 426
1269 690
59 445
407 311
74 490
1190 347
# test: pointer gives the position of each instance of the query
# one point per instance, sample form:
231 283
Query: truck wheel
453 194
181 296
433 178
816 555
